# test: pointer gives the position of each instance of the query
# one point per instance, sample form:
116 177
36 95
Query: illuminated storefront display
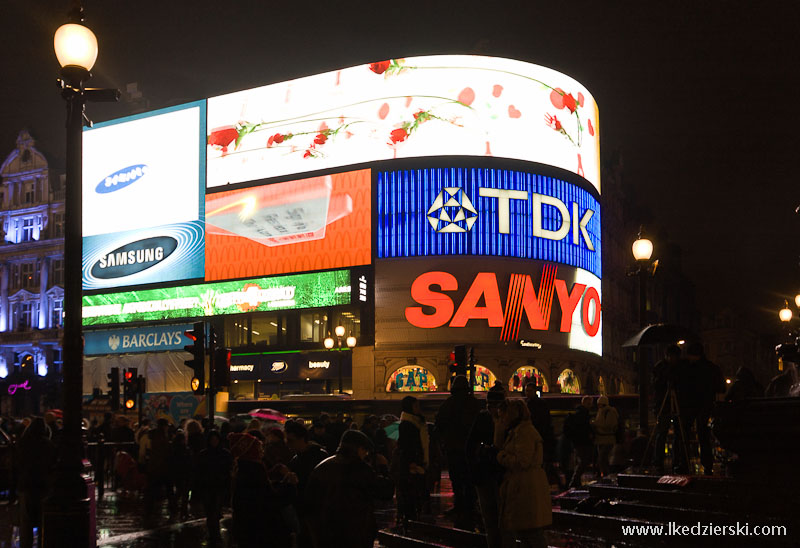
263 294
524 375
143 198
411 378
568 382
484 379
404 108
493 212
310 224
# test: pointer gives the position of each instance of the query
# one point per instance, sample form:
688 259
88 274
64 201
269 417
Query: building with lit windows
31 277
418 203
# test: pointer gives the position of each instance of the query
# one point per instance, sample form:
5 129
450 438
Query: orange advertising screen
308 224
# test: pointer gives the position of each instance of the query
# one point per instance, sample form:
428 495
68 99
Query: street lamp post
329 344
642 251
66 518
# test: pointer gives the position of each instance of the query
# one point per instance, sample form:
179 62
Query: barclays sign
157 338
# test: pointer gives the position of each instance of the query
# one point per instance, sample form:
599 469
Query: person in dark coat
307 455
181 470
35 459
578 429
540 417
665 374
257 503
453 422
485 471
340 493
122 432
410 460
158 470
276 451
213 482
744 385
697 392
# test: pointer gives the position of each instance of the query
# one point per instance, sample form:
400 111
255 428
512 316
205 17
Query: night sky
701 98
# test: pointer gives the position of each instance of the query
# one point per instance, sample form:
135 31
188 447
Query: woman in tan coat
525 507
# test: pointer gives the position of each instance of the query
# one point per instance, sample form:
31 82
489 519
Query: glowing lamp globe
351 341
785 314
75 46
328 343
642 249
797 300
339 331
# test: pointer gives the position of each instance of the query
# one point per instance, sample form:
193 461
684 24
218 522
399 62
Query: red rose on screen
398 135
570 103
497 90
383 112
223 137
379 67
557 98
591 128
580 98
320 139
307 153
513 112
466 96
275 139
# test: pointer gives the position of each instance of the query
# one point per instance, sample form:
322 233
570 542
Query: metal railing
102 456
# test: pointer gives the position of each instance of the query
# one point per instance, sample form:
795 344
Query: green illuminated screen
258 294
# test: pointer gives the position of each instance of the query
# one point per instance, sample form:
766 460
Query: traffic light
130 388
113 388
459 358
222 367
198 360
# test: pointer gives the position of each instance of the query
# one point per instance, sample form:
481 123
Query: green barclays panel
258 294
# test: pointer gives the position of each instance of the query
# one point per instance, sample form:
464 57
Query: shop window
484 378
568 382
411 378
523 376
236 330
265 329
313 326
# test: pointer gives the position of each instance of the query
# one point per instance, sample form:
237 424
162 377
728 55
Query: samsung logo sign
134 257
122 178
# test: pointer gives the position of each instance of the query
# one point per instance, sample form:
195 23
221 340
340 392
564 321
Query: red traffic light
128 375
190 334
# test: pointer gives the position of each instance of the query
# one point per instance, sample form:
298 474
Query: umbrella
59 414
219 419
393 431
267 415
660 333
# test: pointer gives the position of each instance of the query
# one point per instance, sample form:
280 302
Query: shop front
271 375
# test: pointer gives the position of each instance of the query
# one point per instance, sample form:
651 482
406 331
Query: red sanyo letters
521 299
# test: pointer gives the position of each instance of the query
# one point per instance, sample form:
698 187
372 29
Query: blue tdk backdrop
495 212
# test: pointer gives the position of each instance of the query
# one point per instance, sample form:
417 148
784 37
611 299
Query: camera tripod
674 412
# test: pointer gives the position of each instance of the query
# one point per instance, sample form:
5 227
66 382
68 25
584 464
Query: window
57 312
236 330
27 230
29 193
58 225
25 314
29 276
57 272
265 329
313 326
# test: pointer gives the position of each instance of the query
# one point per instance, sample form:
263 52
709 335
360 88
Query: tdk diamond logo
113 342
452 211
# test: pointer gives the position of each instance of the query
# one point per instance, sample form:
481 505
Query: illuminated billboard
311 224
437 299
404 108
493 212
143 181
261 294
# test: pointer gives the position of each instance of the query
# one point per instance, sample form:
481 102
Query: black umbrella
660 333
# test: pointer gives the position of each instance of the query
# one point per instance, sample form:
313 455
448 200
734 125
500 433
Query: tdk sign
489 212
134 257
122 178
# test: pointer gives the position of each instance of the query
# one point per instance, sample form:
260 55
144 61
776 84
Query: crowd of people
315 485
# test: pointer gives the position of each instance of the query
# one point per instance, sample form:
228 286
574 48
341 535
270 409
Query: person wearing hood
744 385
410 460
453 422
525 507
340 493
